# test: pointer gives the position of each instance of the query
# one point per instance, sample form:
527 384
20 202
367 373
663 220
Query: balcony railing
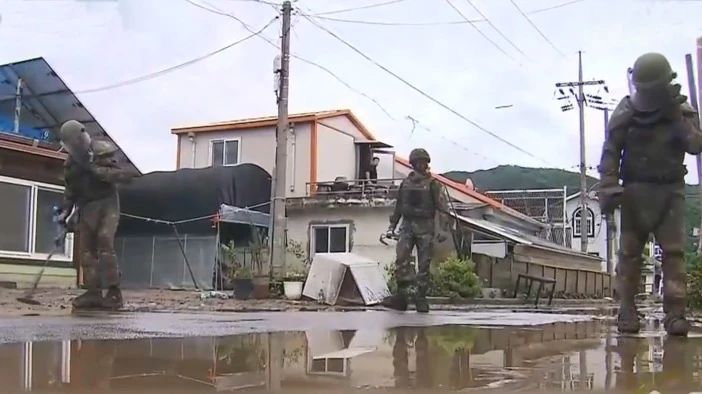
356 188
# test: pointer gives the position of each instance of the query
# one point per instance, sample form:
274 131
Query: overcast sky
97 43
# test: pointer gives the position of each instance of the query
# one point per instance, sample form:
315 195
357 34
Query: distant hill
515 177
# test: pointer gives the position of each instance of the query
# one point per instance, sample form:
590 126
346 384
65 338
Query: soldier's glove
674 100
390 233
609 195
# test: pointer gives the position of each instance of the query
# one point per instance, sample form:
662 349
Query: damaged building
332 206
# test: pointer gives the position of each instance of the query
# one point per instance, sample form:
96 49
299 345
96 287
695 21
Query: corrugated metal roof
46 104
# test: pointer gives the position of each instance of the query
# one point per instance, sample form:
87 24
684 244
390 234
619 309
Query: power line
359 8
165 70
300 58
567 3
478 30
496 29
462 22
536 27
420 91
381 23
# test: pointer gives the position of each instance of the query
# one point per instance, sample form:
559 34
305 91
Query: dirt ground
56 302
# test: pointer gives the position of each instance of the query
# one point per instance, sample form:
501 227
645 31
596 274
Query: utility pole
584 213
609 217
583 170
695 105
278 218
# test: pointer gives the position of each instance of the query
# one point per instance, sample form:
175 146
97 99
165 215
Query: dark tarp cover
191 193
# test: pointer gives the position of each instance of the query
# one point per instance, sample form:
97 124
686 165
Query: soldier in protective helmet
419 199
91 175
649 134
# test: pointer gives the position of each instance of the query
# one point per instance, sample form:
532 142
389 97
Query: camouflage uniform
92 188
418 200
649 134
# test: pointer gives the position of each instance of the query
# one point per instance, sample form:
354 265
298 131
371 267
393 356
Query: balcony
344 192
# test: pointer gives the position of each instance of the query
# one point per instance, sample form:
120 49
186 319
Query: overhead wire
553 7
166 70
496 29
461 22
458 11
359 8
300 58
422 92
381 23
536 27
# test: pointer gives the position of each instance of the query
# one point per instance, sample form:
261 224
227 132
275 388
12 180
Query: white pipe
193 150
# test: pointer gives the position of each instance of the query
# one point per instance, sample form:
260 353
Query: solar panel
46 103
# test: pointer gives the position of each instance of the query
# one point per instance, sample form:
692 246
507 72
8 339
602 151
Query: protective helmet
103 148
419 154
652 70
74 138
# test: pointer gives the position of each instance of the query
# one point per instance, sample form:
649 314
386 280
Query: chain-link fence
157 261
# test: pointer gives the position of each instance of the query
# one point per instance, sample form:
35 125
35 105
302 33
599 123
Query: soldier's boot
628 274
674 289
674 322
113 299
92 298
398 301
420 301
628 318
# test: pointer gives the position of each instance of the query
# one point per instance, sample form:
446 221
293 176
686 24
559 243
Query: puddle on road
584 356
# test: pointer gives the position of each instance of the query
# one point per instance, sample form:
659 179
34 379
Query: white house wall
336 155
598 243
344 125
256 146
366 225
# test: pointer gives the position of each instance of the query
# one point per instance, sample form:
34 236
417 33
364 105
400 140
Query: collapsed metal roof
45 104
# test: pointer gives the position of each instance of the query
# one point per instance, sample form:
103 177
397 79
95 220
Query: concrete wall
598 243
256 146
366 224
336 155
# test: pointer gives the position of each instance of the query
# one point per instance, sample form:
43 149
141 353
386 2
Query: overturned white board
327 273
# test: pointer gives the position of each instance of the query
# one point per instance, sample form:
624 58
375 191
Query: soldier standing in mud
649 134
91 177
419 199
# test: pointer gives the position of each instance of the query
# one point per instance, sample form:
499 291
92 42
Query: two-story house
332 207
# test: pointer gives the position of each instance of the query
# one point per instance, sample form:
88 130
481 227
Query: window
590 223
27 227
330 238
225 153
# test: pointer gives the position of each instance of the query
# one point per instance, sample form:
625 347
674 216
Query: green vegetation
453 278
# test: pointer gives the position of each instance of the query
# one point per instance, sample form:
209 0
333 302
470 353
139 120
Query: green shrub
453 277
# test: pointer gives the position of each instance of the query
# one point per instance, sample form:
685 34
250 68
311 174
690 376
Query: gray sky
96 43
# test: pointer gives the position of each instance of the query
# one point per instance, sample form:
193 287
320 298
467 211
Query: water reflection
559 357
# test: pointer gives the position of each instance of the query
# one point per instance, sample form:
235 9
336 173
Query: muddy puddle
585 356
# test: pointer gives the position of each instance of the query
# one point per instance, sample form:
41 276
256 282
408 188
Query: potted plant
240 275
293 282
294 279
243 282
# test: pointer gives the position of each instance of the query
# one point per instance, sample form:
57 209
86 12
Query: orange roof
268 121
469 192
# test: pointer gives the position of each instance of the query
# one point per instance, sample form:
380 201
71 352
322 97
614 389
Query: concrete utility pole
281 153
583 169
695 105
609 218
